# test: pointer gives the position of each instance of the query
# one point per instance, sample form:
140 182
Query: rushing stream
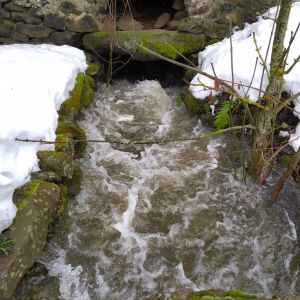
164 217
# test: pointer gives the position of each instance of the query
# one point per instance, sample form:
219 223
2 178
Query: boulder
33 31
170 44
58 162
127 22
83 23
162 20
55 22
36 202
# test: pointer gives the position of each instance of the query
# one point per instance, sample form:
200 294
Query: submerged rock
171 44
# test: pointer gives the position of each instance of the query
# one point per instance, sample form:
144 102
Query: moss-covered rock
87 95
65 143
205 295
49 176
36 201
191 103
77 133
171 44
80 96
93 69
71 108
58 162
62 205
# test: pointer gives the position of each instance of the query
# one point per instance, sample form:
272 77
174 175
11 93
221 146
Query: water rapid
164 217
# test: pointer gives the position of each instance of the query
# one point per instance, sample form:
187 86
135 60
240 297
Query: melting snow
244 58
35 80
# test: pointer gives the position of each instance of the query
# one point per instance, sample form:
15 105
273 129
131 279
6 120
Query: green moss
189 75
191 103
71 108
6 245
58 162
22 204
29 189
171 44
90 81
62 204
286 160
77 133
93 69
22 194
239 295
87 96
65 143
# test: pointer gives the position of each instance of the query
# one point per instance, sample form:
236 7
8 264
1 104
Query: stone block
18 36
126 22
58 162
162 20
85 23
6 27
13 7
25 17
66 38
33 31
55 22
36 202
68 7
4 14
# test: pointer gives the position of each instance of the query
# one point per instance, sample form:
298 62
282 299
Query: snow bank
35 80
244 61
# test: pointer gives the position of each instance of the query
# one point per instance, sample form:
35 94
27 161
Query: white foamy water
165 217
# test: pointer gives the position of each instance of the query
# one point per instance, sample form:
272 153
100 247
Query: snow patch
244 61
35 80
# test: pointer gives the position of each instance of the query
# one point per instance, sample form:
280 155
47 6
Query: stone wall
65 21
214 16
52 21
